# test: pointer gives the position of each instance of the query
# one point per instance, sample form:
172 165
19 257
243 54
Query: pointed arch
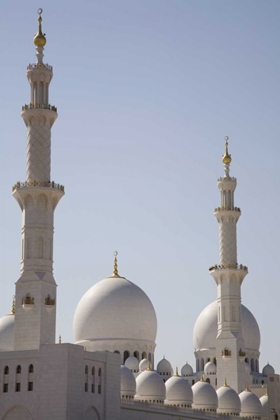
18 412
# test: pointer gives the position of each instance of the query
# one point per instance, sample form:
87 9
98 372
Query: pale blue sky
146 92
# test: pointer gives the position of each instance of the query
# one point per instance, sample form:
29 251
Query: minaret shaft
38 196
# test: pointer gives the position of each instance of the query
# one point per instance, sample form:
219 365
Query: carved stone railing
49 301
227 208
226 178
28 300
39 66
225 266
226 353
45 184
242 353
39 106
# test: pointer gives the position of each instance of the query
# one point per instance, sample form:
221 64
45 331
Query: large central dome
115 309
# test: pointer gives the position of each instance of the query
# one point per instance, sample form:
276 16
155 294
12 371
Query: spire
149 366
176 373
115 270
226 158
40 39
13 306
202 378
246 387
225 383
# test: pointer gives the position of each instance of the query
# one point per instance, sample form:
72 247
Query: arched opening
117 351
99 372
86 369
257 365
208 359
144 355
136 354
18 369
126 355
31 369
215 361
6 370
93 371
252 365
208 380
202 364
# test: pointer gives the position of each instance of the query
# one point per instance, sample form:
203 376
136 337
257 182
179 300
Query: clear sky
146 91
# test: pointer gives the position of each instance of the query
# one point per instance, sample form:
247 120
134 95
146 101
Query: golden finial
246 387
40 39
266 392
225 383
176 374
202 378
226 157
115 271
149 366
13 305
59 339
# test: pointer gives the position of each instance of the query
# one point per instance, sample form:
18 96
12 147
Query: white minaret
229 276
35 308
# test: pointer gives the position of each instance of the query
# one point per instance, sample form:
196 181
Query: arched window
215 361
136 354
208 380
193 382
18 369
6 370
252 365
117 351
93 371
208 359
99 372
202 364
125 356
144 355
31 369
86 369
257 365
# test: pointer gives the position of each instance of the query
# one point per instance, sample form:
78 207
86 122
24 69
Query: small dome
132 364
205 329
210 368
268 370
115 309
143 365
7 332
250 405
264 403
128 383
178 391
228 401
164 367
187 370
204 397
150 387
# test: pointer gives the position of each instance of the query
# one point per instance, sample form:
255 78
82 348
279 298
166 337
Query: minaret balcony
242 355
44 184
218 209
226 354
39 66
240 267
39 106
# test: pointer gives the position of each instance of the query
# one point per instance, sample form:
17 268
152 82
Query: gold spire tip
115 271
225 383
13 305
202 378
40 39
226 157
59 339
149 366
176 374
246 387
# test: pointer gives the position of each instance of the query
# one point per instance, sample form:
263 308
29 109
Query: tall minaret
35 308
229 276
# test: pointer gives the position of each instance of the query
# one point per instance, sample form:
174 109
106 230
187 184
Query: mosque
110 371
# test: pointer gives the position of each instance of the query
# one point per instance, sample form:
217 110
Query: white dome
187 370
264 403
150 387
164 367
7 332
210 368
114 309
143 365
205 329
128 383
228 401
132 364
204 397
178 391
268 370
250 405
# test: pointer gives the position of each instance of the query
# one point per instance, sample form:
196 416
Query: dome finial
226 158
115 271
40 39
59 339
13 305
149 366
225 383
246 387
176 374
202 378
